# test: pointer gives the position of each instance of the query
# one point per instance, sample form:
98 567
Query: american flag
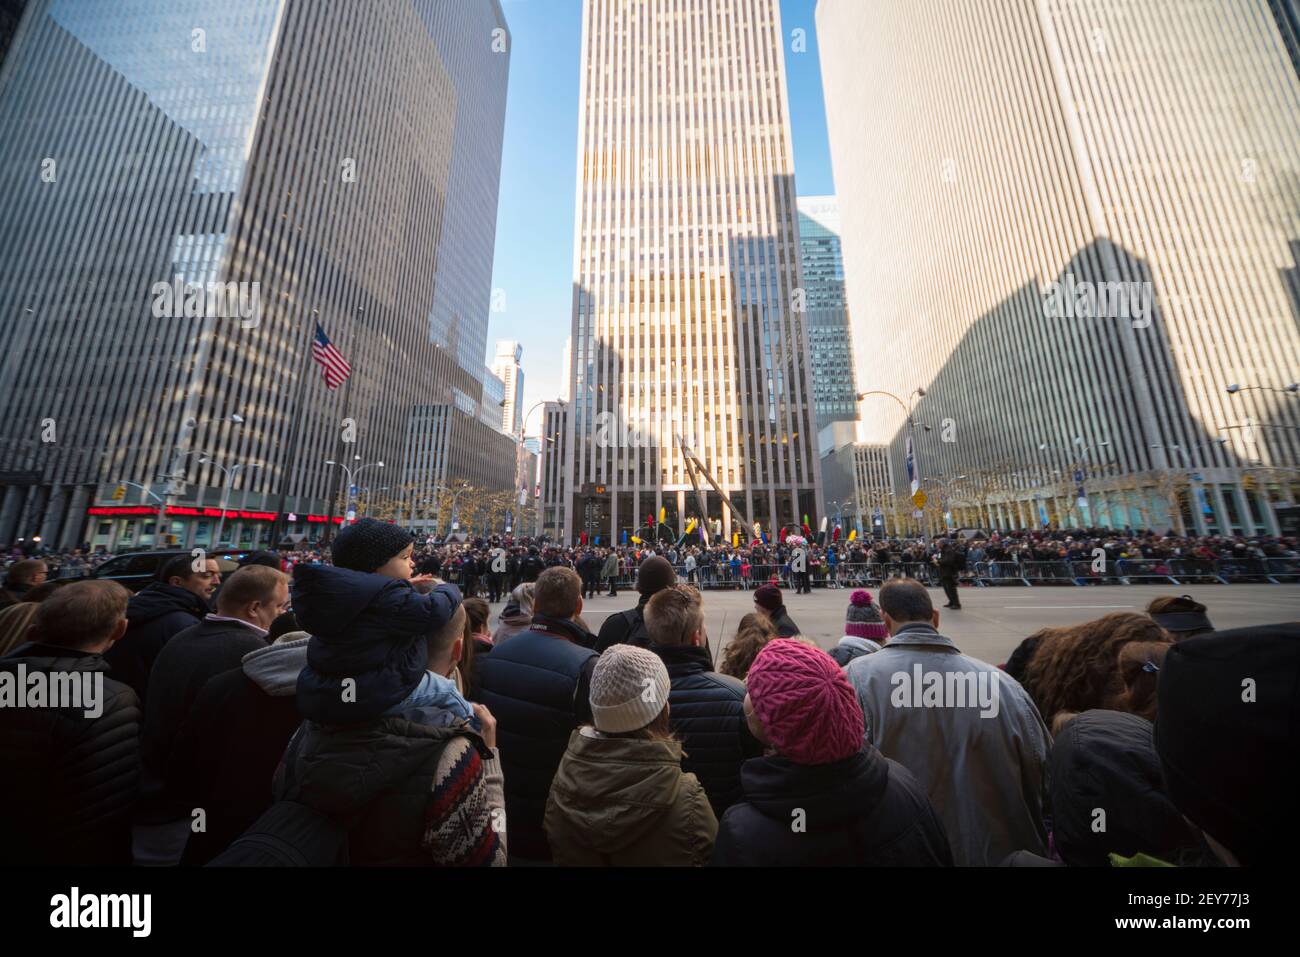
332 363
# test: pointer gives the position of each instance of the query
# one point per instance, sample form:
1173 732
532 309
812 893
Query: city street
992 620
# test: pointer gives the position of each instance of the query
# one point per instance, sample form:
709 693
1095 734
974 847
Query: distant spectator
517 615
768 601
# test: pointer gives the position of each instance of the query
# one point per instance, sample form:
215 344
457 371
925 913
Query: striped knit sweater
465 822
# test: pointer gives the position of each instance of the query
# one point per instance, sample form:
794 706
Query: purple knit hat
863 619
805 704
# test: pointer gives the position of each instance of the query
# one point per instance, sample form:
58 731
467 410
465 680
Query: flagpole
347 413
294 450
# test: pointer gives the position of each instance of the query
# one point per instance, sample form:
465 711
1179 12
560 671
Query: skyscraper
686 316
300 155
835 396
11 12
507 368
1076 223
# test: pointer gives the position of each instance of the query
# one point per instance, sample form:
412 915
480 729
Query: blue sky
534 249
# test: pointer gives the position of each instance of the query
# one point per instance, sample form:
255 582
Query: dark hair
282 625
22 572
178 566
905 599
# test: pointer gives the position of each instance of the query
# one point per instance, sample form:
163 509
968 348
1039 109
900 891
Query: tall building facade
552 516
830 340
11 13
296 156
1076 223
686 321
508 369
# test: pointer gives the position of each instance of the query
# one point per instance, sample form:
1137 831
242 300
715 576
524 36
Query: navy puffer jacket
367 628
707 713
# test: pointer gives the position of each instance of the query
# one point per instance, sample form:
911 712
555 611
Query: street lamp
352 473
1293 389
917 393
230 474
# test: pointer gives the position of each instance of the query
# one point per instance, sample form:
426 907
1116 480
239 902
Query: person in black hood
1107 794
706 711
368 623
768 601
628 627
179 599
1226 735
822 797
72 774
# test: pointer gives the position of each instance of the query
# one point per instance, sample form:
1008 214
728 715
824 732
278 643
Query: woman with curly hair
754 632
1111 663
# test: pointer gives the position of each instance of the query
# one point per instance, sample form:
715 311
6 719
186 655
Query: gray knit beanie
629 688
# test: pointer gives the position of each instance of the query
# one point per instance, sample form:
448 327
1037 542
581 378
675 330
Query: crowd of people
357 708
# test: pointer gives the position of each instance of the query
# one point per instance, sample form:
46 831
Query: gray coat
968 731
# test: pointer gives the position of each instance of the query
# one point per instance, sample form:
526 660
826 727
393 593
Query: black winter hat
1227 710
1105 761
368 544
655 574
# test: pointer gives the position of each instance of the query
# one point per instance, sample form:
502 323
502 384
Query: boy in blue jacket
368 654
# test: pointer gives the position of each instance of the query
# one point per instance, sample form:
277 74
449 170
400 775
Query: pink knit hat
805 704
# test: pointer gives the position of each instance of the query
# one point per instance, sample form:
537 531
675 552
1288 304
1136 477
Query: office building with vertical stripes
1076 224
689 322
191 188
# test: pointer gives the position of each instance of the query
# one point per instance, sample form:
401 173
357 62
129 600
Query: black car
135 570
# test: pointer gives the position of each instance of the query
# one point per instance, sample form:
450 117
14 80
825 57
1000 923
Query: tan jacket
625 802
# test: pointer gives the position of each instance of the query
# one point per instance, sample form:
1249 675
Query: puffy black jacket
707 712
367 628
70 782
864 811
625 628
537 685
189 661
154 615
225 755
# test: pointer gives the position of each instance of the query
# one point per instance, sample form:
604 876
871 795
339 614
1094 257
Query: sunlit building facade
686 321
1077 225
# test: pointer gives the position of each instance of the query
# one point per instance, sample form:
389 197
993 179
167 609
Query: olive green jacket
625 802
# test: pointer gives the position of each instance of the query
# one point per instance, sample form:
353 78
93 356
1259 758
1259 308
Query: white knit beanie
629 688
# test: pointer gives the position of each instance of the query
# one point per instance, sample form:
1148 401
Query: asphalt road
992 620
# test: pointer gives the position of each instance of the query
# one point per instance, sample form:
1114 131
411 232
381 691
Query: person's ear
118 631
934 619
697 638
579 611
457 649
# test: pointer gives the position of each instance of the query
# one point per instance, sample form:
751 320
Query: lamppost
174 475
914 466
464 486
353 472
946 483
230 474
1081 464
